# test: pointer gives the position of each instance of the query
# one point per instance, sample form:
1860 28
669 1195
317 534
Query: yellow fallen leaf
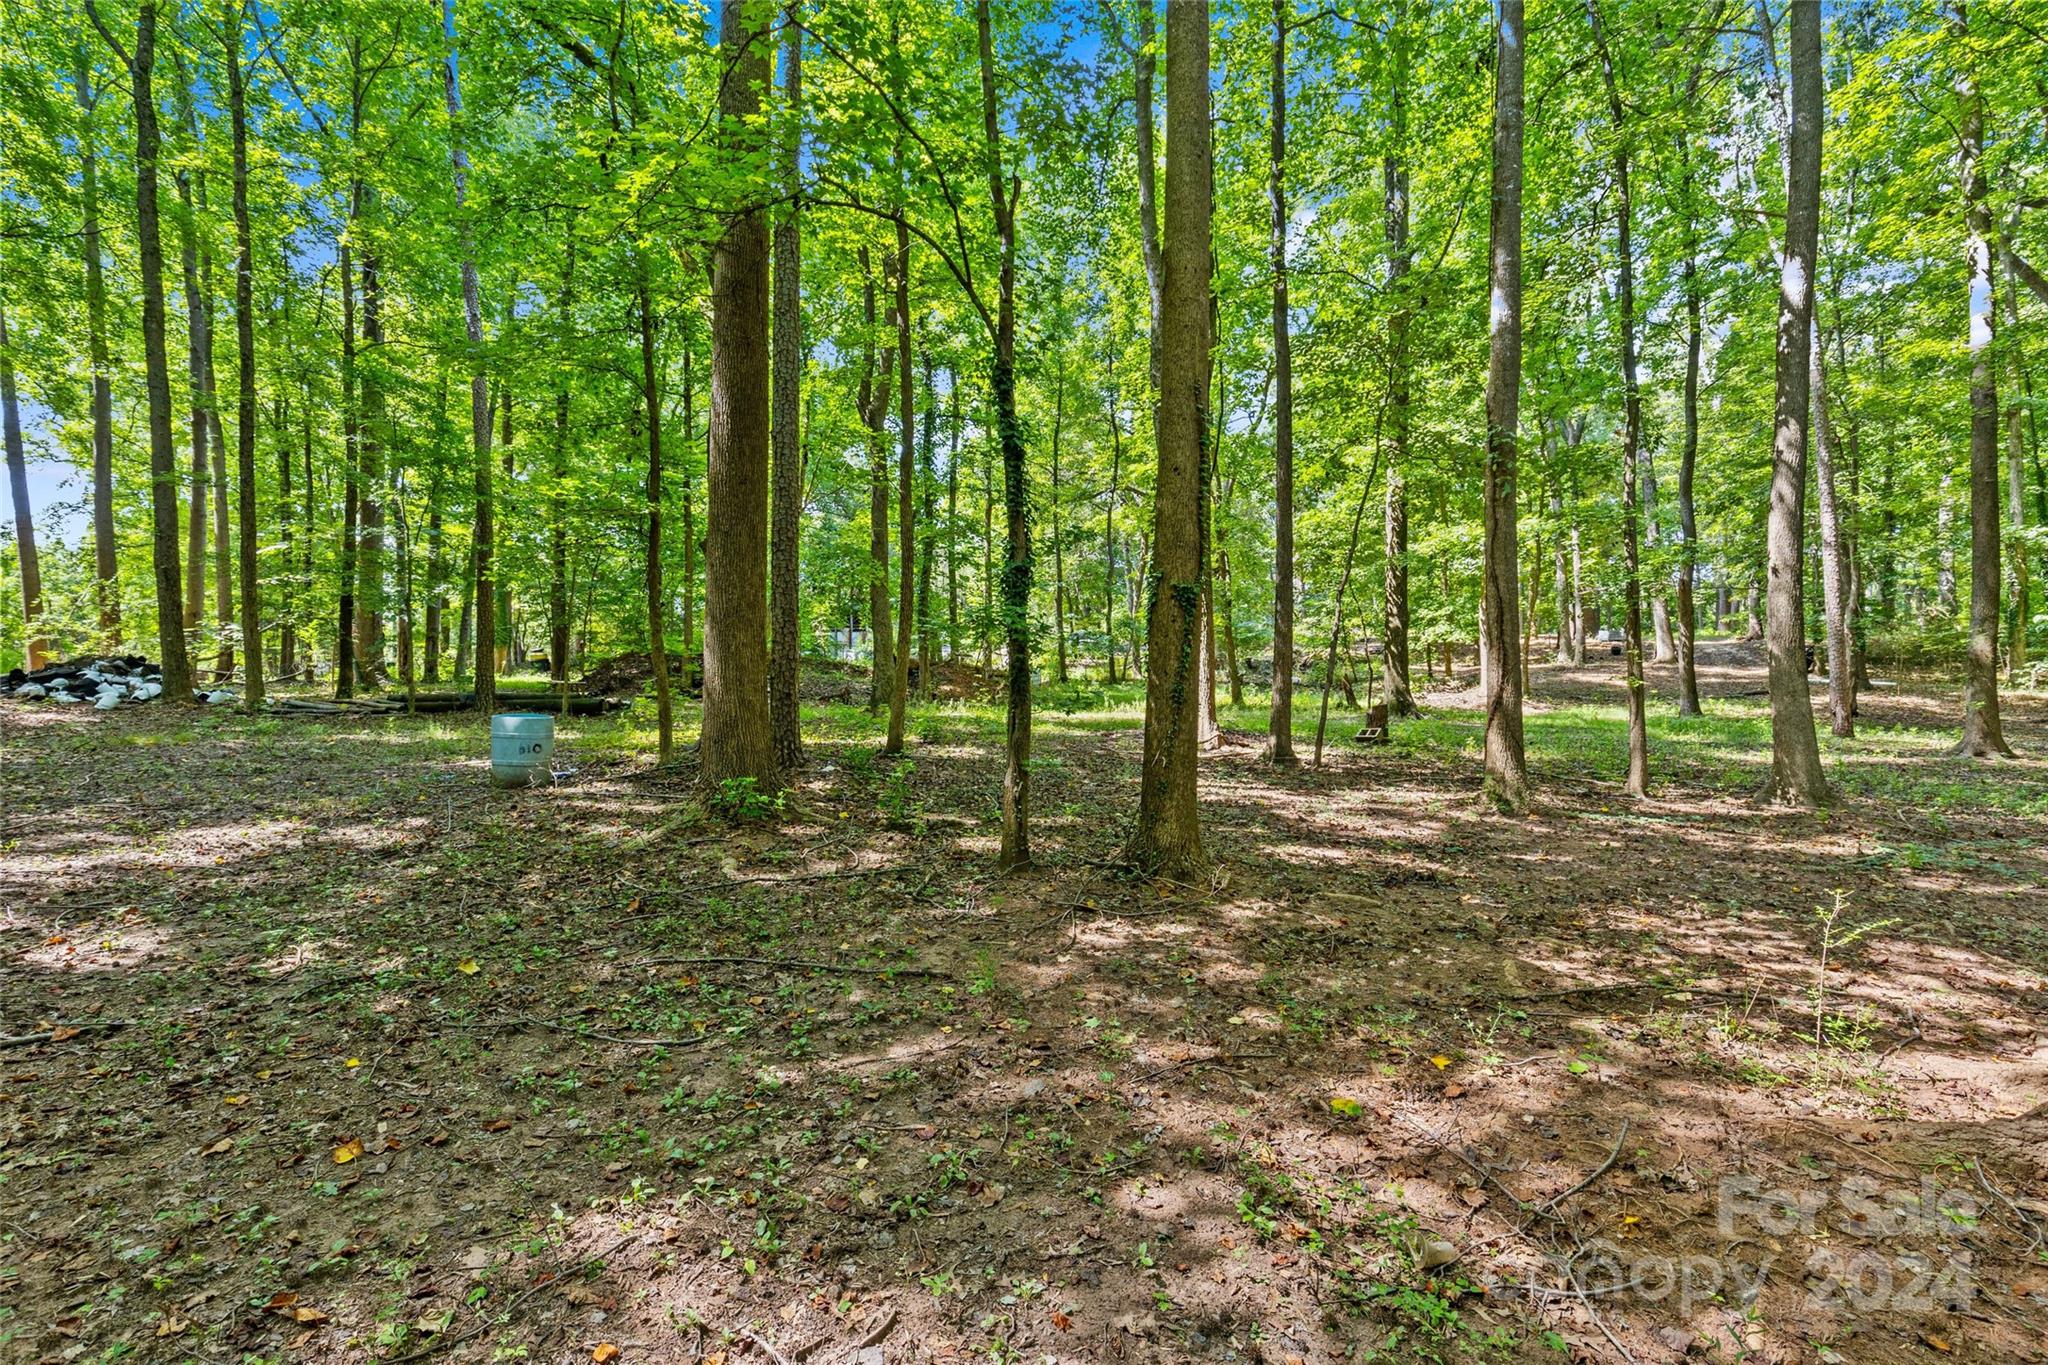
353 1062
348 1151
605 1351
1439 1062
1345 1105
467 966
235 1099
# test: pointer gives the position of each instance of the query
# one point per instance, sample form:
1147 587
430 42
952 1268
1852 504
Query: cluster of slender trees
836 196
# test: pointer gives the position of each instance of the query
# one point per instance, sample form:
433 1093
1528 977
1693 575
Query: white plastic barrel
522 743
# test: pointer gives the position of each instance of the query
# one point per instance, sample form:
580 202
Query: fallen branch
1604 1167
844 969
67 1032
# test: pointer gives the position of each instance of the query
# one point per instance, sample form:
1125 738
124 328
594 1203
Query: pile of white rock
102 683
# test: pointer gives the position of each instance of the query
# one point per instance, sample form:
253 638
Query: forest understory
319 1048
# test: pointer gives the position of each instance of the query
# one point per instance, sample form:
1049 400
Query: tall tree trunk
657 595
1638 782
482 537
1983 734
874 405
1796 775
351 439
1834 566
988 560
2016 485
1015 850
1280 723
737 741
437 567
1116 468
209 440
106 567
198 364
927 451
1168 837
36 645
245 364
1059 557
163 473
1144 68
689 500
1400 693
308 645
1834 570
1209 731
785 529
370 473
906 524
1663 641
1560 573
1688 524
558 512
1507 769
953 515
288 596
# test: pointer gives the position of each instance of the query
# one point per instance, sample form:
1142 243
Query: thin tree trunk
288 603
927 450
1059 558
1209 731
1834 567
1337 623
309 645
1560 578
372 443
690 538
1662 638
785 517
163 491
245 357
198 350
1507 768
1688 524
1983 734
953 516
1638 782
1116 467
1400 694
2016 484
1168 836
1280 723
482 538
36 644
657 596
874 409
906 524
738 742
558 471
1015 851
106 567
351 428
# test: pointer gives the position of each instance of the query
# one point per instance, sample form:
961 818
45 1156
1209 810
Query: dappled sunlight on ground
486 1072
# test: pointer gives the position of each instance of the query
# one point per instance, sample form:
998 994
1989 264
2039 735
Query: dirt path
373 1061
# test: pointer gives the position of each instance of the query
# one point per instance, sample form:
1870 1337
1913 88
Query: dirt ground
318 1048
